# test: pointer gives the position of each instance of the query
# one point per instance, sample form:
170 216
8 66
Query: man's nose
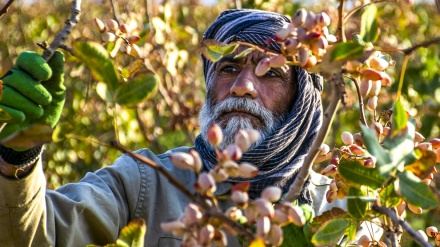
244 85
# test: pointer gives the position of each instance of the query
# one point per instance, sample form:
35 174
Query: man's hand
33 92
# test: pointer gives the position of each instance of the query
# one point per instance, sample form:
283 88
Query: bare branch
62 36
426 43
198 200
361 100
5 8
341 21
363 6
158 168
338 93
391 214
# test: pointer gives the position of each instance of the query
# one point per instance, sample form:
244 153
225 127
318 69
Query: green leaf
133 234
369 30
422 164
356 207
415 191
137 90
309 213
355 172
330 232
4 116
399 118
346 51
401 146
244 52
61 130
127 72
104 93
215 50
97 59
295 236
383 159
388 196
352 230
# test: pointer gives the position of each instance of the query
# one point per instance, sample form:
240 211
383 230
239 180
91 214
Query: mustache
242 105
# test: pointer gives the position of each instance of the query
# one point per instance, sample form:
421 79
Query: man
284 105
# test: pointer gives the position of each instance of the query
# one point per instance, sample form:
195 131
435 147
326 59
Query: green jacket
96 208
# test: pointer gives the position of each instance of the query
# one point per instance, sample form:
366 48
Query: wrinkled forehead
252 26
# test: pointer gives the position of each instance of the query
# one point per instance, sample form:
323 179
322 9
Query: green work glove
33 92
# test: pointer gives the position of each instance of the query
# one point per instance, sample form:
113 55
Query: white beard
209 114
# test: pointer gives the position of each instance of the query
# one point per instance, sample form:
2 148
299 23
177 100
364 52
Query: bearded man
284 105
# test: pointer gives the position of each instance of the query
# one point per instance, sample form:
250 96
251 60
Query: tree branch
239 228
341 21
363 6
391 214
361 100
338 93
75 13
198 200
156 167
5 8
426 43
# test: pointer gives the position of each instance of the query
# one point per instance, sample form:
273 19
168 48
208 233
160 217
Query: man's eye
272 73
229 69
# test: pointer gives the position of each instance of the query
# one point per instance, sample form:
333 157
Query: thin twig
75 13
158 168
240 228
144 130
361 100
338 91
349 14
5 8
426 43
391 214
115 10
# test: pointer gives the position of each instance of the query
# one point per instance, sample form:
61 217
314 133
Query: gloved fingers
16 116
34 64
28 86
14 99
55 83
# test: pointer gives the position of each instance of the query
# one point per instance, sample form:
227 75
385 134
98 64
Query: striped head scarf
280 155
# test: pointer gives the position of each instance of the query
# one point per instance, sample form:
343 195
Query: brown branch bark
338 92
426 43
212 211
158 168
75 13
396 221
341 31
361 101
5 8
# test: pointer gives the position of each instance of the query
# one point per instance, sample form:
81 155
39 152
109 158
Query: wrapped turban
281 154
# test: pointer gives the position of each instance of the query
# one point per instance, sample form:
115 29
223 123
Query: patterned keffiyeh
282 153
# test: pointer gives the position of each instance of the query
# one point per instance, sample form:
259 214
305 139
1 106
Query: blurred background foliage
170 33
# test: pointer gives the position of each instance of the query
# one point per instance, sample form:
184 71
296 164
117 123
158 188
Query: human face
238 99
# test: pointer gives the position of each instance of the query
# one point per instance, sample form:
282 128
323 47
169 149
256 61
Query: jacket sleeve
90 211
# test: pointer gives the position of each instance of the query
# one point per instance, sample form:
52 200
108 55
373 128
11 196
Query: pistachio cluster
373 76
305 39
432 232
122 35
197 225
